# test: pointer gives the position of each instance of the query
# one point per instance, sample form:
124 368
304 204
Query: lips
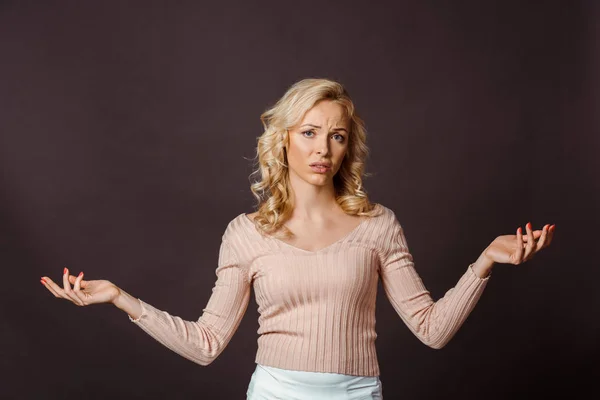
320 167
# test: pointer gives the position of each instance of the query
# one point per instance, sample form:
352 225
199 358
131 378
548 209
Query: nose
323 146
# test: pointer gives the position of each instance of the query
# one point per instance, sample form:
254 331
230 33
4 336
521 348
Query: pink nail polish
64 271
80 274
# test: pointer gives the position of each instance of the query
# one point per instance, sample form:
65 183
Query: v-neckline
322 249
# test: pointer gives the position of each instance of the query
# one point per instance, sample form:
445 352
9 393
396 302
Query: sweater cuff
143 314
476 277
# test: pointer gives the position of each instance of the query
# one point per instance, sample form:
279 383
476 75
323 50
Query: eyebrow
318 127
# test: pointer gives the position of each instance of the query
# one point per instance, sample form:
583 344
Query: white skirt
270 383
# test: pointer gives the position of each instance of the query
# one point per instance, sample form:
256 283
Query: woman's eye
305 132
340 138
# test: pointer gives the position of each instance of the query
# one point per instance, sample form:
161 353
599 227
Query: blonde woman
313 253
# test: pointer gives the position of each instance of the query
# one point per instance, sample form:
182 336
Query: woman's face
320 137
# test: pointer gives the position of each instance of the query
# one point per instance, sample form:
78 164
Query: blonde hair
272 189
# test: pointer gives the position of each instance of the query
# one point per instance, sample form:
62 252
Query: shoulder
382 210
385 220
384 213
237 226
389 239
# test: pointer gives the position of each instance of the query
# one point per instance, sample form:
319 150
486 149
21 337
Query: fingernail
529 225
519 230
80 274
64 271
43 282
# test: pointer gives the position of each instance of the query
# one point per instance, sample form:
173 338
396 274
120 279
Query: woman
313 252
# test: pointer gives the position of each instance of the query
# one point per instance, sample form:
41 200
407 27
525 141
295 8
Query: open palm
516 249
82 293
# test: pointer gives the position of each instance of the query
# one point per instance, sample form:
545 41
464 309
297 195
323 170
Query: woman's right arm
200 341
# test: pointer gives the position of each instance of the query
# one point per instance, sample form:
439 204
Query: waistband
275 383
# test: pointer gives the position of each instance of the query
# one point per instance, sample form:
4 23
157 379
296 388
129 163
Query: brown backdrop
127 132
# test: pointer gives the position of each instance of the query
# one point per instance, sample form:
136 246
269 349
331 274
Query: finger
550 234
77 281
77 288
83 284
543 238
519 254
44 281
68 290
54 288
536 235
530 242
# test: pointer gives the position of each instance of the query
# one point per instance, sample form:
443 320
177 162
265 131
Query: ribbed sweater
316 308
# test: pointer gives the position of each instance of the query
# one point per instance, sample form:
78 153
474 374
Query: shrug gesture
505 249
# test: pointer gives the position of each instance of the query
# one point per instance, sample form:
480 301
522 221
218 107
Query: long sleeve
203 340
433 322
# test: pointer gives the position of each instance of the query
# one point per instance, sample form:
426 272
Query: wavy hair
272 189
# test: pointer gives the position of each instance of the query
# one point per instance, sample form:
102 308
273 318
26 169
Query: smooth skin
321 136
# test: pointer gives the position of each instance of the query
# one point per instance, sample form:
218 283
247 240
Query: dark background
127 136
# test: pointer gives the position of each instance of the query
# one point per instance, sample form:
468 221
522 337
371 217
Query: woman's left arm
436 322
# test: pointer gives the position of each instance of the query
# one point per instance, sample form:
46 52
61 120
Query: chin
320 180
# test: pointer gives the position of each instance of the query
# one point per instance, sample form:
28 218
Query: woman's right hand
82 293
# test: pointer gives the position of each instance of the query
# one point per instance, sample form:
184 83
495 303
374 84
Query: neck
312 202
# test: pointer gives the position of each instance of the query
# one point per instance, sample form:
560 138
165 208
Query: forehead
326 112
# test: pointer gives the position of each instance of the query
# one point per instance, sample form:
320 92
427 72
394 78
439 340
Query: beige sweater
317 308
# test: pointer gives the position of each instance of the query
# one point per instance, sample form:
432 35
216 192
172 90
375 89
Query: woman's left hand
516 249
